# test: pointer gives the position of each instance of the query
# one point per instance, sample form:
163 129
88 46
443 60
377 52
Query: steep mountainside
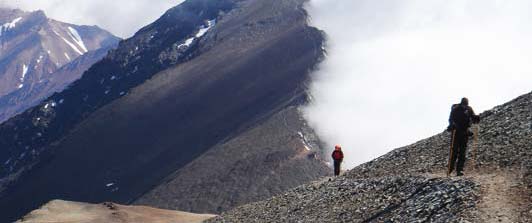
202 74
409 184
33 48
276 155
27 137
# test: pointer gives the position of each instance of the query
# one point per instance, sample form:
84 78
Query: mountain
276 155
204 77
409 184
40 56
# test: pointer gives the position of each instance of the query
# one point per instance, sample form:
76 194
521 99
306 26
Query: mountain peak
38 14
5 10
32 48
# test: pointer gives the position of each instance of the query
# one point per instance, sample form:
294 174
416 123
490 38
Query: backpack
461 116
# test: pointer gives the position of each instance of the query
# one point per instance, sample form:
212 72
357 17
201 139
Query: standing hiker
337 156
462 115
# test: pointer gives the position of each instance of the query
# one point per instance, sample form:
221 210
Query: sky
121 17
394 67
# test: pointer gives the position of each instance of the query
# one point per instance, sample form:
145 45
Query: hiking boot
459 174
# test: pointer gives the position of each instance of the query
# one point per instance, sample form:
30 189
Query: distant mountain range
40 56
206 95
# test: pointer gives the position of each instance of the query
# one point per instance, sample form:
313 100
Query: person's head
464 101
337 147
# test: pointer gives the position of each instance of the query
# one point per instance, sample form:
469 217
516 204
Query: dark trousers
337 167
459 151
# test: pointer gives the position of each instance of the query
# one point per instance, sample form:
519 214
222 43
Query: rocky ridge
59 211
409 183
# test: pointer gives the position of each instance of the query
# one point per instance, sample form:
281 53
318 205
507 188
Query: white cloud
395 67
121 17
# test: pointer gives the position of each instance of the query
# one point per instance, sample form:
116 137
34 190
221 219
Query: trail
501 198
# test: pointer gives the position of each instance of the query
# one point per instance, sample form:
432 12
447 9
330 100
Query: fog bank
394 68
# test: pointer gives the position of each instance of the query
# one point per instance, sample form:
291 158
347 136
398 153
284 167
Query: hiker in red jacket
337 156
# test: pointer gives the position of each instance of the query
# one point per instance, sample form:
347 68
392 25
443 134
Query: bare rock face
59 211
277 154
409 184
39 56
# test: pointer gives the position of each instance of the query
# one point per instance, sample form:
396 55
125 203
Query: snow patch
68 43
204 30
199 34
66 55
10 25
13 23
109 184
24 72
186 43
40 59
72 45
304 140
77 38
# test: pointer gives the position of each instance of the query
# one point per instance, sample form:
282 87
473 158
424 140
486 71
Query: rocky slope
409 184
278 154
58 211
199 76
40 56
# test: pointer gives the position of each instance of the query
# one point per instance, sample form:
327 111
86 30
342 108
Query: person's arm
474 117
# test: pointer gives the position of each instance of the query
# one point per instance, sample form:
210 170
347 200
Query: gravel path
501 199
